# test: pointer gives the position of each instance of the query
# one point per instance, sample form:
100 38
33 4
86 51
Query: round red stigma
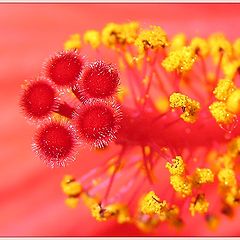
98 122
55 142
38 100
99 80
64 68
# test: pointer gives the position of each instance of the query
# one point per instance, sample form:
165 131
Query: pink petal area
31 202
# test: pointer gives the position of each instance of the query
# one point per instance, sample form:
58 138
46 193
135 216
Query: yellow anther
151 204
72 202
236 47
224 89
231 68
220 113
200 46
227 177
234 147
120 211
181 60
99 213
155 38
233 102
189 106
198 205
178 41
74 42
70 187
178 100
177 167
93 38
162 104
117 210
212 221
217 44
122 34
181 185
203 175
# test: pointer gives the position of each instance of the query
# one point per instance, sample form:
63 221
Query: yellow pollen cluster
178 180
155 38
177 168
220 113
93 38
184 184
178 41
203 175
233 102
219 44
200 46
114 34
74 42
151 204
226 177
198 205
189 106
230 69
224 89
181 60
181 185
72 189
117 210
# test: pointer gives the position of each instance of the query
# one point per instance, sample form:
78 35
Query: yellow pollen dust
218 44
93 38
114 34
220 113
74 42
200 46
177 167
155 38
190 107
231 68
233 102
178 41
203 175
198 205
181 60
117 210
181 185
224 89
226 177
70 187
151 204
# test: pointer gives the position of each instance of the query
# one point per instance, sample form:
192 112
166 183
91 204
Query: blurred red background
31 202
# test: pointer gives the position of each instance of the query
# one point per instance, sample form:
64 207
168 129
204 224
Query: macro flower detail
164 110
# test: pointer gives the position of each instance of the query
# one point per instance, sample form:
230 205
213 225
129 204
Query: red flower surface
32 203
